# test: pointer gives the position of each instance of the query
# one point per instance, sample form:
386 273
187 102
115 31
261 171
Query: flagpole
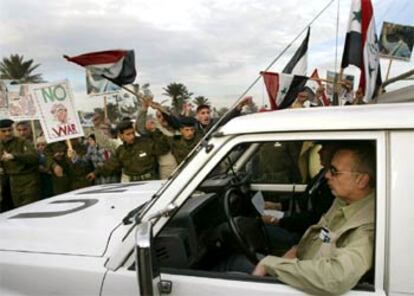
138 95
70 148
336 87
327 80
389 69
270 65
32 125
105 108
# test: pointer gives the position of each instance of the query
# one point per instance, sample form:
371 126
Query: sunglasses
334 172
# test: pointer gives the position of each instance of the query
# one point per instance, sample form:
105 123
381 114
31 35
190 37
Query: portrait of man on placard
396 41
60 113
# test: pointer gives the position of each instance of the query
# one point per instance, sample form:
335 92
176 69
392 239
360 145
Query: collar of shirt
348 210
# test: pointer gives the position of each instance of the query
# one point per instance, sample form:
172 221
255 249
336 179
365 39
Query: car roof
361 117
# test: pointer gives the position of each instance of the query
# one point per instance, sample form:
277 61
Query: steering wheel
250 234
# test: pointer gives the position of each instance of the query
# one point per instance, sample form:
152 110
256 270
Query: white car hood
79 222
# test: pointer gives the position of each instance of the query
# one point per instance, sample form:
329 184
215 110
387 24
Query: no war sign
58 116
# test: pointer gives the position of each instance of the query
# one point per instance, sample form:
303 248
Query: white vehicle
153 238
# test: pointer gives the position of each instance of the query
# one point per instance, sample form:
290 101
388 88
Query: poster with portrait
58 116
21 105
396 41
346 89
3 100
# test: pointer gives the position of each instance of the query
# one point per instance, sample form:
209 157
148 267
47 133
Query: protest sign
20 101
396 41
58 117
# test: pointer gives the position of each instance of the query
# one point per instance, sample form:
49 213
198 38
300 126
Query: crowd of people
145 148
148 149
138 150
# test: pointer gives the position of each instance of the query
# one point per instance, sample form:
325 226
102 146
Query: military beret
187 122
5 123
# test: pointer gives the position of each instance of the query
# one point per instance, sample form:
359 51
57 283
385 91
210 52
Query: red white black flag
298 64
116 65
362 48
282 88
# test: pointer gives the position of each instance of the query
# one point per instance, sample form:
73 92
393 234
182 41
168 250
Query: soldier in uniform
58 164
69 167
80 165
20 163
136 157
24 131
182 145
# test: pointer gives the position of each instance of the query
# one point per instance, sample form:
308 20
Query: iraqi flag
362 48
299 62
118 66
283 88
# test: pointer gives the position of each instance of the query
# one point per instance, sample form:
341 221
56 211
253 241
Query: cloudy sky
215 47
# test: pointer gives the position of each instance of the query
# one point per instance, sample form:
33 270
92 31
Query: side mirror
148 274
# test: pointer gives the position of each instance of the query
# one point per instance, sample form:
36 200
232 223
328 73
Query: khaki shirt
136 159
334 266
181 147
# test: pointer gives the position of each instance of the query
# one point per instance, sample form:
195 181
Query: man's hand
320 90
245 101
58 171
91 176
270 205
7 156
267 219
260 270
71 154
292 253
147 101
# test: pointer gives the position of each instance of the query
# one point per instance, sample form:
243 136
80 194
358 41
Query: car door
190 282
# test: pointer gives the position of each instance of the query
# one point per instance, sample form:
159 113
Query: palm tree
15 68
201 100
179 94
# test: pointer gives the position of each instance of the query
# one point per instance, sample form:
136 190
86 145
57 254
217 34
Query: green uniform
22 171
333 254
138 160
60 184
74 172
181 147
80 167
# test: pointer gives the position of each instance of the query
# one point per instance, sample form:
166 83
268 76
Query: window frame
380 137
